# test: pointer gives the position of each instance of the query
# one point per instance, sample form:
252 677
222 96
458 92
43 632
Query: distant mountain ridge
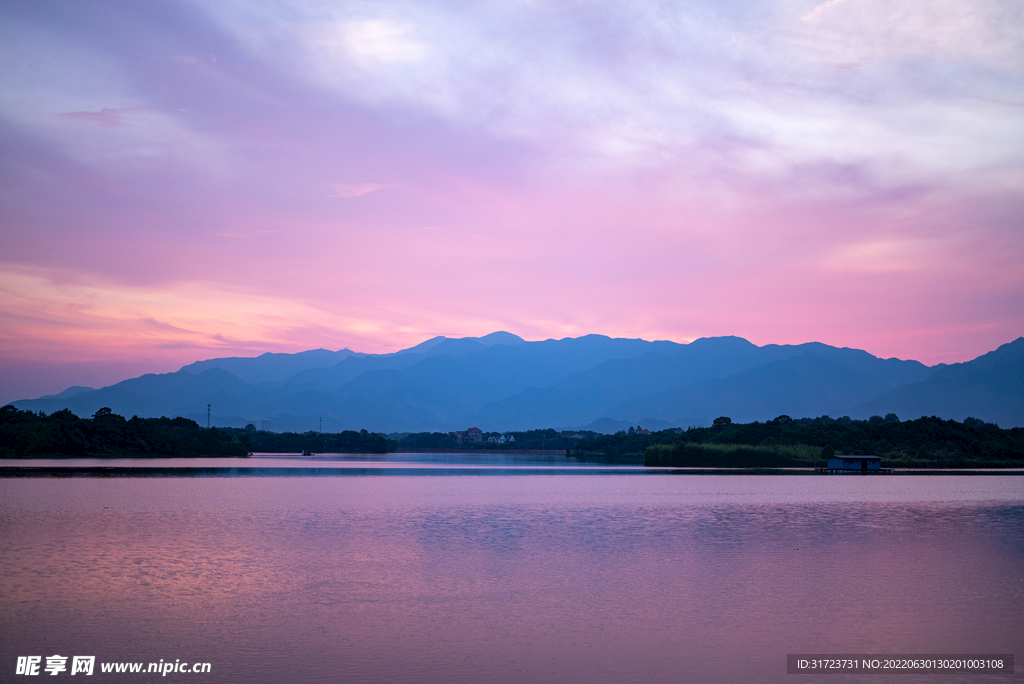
271 367
990 387
501 382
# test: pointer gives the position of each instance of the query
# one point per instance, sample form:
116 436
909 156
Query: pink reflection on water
507 579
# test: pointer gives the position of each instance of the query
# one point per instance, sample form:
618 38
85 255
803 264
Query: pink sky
181 182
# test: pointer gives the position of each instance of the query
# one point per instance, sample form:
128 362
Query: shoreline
397 469
477 452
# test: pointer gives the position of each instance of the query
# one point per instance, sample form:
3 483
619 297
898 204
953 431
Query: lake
385 570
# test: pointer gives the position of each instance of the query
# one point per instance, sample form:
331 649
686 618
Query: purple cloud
636 169
108 116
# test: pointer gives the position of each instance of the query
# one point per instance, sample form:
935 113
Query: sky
187 180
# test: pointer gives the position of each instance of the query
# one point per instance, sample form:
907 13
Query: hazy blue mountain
452 388
271 367
577 398
70 391
991 387
616 388
610 426
432 388
424 346
891 372
169 394
500 337
354 366
804 385
607 426
501 382
351 368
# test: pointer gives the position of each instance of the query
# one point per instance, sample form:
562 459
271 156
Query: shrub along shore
927 443
689 455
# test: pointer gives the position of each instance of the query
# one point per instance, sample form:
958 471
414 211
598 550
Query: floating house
840 465
855 463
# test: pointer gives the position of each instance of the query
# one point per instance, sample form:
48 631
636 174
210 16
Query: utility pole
321 425
207 416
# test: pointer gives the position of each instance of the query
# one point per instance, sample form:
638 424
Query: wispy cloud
109 117
194 59
772 169
856 30
354 189
754 91
111 318
886 255
380 41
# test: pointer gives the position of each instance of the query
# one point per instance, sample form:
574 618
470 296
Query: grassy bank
688 455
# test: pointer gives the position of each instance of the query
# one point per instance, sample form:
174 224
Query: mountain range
501 382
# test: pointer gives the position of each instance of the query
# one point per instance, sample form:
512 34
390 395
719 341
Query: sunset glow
182 181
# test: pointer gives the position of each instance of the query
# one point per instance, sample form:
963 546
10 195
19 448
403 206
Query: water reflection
541 578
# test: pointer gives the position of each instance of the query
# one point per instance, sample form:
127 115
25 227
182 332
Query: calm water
551 576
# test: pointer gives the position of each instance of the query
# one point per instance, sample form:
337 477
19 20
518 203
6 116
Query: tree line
785 441
346 442
24 434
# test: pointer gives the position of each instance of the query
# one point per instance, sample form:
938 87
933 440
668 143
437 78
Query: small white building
863 463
